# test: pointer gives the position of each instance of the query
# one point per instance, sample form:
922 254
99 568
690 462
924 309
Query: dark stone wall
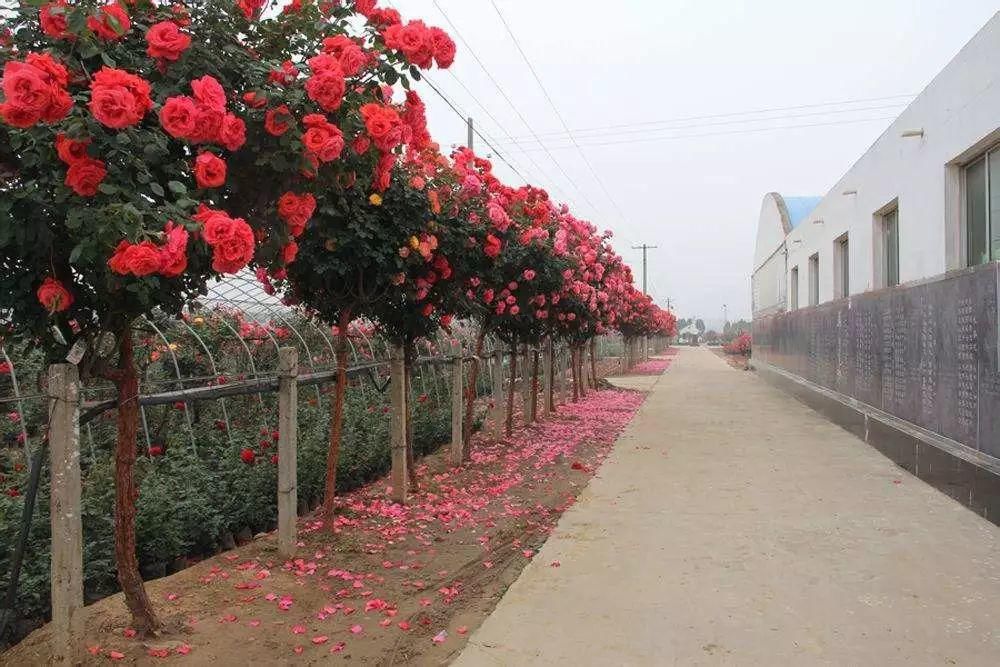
926 353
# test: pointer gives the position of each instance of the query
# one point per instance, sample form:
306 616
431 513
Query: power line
696 126
486 141
552 103
491 141
734 113
513 106
731 132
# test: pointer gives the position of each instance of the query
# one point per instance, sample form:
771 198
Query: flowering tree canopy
148 148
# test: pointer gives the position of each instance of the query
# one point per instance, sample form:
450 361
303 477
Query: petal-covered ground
390 584
652 366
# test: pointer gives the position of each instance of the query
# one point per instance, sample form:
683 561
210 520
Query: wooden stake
457 404
67 527
397 425
288 494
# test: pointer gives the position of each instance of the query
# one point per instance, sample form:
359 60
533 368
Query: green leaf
107 188
108 60
75 253
177 187
157 189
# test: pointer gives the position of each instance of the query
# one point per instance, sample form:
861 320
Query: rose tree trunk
336 421
127 383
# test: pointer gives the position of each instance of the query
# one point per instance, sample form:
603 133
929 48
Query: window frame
793 288
890 251
814 279
992 226
842 266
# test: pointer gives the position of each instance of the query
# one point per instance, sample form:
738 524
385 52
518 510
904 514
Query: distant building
879 303
923 200
689 335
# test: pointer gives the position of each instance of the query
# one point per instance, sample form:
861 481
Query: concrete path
734 526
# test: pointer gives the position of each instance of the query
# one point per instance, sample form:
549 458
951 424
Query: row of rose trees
148 148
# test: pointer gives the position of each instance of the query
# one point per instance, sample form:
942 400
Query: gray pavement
734 526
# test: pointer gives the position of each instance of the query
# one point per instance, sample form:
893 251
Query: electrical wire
513 106
559 115
733 113
697 126
727 133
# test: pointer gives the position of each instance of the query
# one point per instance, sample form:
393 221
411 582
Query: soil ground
391 584
738 361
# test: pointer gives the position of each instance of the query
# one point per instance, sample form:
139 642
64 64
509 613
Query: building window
982 208
794 288
890 247
814 280
842 267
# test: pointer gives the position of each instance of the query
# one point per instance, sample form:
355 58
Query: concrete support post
397 425
65 510
496 415
288 420
547 379
525 365
457 405
564 388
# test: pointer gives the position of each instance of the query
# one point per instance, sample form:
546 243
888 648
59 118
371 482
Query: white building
922 201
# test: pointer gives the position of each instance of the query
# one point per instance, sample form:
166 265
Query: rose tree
103 172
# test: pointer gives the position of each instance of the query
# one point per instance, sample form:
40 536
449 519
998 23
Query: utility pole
471 132
644 248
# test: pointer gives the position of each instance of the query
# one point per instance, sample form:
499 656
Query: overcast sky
623 74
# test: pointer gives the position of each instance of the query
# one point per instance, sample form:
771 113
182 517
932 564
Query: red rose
17 116
156 450
54 296
166 41
277 120
207 124
139 260
233 253
414 40
217 225
323 139
71 150
383 124
254 100
55 71
177 116
289 252
361 144
352 57
296 210
173 254
327 88
383 172
384 17
233 132
288 73
119 99
492 246
111 22
365 7
209 170
85 175
443 47
208 91
27 88
247 456
52 17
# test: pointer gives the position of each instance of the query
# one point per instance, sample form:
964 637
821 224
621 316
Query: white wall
959 112
768 281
